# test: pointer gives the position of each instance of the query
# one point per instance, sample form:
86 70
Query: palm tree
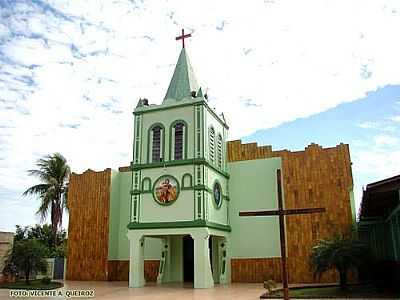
53 171
341 253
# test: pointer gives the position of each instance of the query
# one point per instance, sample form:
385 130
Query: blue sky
285 73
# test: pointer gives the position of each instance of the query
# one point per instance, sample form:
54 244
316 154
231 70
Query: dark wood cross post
183 37
281 212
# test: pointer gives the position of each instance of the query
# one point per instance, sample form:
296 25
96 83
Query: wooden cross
281 212
183 37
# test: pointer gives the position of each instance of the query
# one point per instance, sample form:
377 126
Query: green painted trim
149 109
182 224
215 115
155 108
218 206
226 197
135 192
143 181
183 180
154 186
198 161
162 153
130 212
171 127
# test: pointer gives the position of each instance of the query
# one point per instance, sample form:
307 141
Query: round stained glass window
217 194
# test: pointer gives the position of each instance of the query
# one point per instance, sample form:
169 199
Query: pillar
225 266
136 261
202 268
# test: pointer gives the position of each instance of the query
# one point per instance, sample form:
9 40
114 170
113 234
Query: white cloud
395 118
386 140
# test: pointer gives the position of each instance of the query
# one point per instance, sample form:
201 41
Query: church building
172 215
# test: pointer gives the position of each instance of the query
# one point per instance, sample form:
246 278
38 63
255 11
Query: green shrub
46 280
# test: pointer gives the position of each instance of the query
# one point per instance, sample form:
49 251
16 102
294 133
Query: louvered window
156 149
178 147
219 151
211 142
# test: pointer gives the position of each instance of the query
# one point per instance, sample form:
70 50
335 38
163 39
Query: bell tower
179 184
179 169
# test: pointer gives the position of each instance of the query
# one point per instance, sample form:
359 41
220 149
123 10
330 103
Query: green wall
383 236
252 186
119 218
181 210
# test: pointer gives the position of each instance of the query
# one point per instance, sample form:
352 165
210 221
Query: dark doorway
188 259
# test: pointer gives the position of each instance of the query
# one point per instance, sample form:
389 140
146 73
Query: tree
55 245
341 253
53 171
27 255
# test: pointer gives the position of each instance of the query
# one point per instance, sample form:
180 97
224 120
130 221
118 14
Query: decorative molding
182 224
190 178
150 109
198 161
148 179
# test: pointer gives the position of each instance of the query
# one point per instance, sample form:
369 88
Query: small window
156 147
178 147
211 141
219 151
217 194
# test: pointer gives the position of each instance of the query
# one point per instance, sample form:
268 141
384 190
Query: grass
355 291
34 285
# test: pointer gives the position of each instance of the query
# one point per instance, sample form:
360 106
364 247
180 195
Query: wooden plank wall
118 270
89 205
315 177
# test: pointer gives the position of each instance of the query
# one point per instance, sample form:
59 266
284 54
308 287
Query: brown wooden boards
315 177
89 201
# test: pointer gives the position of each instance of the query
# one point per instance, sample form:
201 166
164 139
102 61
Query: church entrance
188 259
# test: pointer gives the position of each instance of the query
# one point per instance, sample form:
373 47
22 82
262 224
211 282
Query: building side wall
89 201
316 177
6 244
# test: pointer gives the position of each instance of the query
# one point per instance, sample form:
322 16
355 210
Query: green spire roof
183 82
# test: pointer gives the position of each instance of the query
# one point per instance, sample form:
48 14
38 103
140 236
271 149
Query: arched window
156 144
179 140
211 144
146 184
219 151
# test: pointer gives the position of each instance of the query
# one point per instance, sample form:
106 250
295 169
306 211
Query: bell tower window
156 144
219 151
179 138
211 142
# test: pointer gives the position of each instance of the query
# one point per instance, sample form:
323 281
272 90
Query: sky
285 73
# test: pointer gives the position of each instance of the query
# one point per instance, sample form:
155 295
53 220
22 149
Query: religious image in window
166 190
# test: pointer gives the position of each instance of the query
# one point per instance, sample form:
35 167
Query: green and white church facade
178 202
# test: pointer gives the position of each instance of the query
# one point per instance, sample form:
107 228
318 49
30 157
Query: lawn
34 285
355 291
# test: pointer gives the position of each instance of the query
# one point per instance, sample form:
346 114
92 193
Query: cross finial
182 37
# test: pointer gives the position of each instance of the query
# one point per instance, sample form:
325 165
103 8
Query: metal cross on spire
183 37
